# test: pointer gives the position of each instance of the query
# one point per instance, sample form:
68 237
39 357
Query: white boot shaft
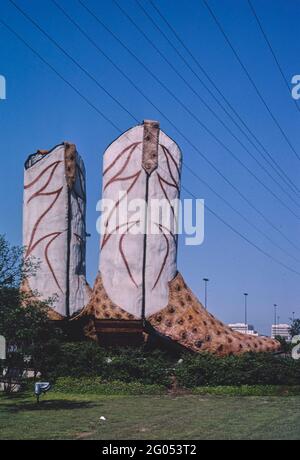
136 268
54 229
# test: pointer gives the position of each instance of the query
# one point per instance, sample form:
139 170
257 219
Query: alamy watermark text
2 88
296 87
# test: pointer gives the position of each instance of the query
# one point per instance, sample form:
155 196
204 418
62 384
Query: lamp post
275 318
293 316
206 280
246 311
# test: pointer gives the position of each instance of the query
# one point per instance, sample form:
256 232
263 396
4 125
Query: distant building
243 328
282 330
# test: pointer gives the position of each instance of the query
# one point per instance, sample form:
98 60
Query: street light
246 310
275 318
293 313
206 280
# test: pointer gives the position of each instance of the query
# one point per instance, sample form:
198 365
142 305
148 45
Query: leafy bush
249 390
149 368
77 359
95 385
87 359
247 369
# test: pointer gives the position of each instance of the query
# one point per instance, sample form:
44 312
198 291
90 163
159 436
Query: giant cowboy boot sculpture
54 231
138 278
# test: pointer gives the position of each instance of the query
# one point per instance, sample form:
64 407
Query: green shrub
248 369
135 365
79 359
87 359
248 390
97 386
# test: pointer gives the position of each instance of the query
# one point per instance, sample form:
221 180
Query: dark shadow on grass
57 404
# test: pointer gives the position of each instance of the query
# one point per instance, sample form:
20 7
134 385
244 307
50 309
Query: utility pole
206 280
246 310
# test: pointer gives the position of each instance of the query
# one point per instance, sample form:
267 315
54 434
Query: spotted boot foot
187 322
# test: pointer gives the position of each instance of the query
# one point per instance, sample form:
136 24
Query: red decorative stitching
133 146
48 261
123 255
56 163
31 247
165 258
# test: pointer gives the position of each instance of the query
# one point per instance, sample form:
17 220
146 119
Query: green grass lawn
186 417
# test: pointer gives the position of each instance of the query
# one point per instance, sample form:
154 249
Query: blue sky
41 111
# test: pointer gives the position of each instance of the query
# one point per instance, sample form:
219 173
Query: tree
286 347
13 267
295 327
23 319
